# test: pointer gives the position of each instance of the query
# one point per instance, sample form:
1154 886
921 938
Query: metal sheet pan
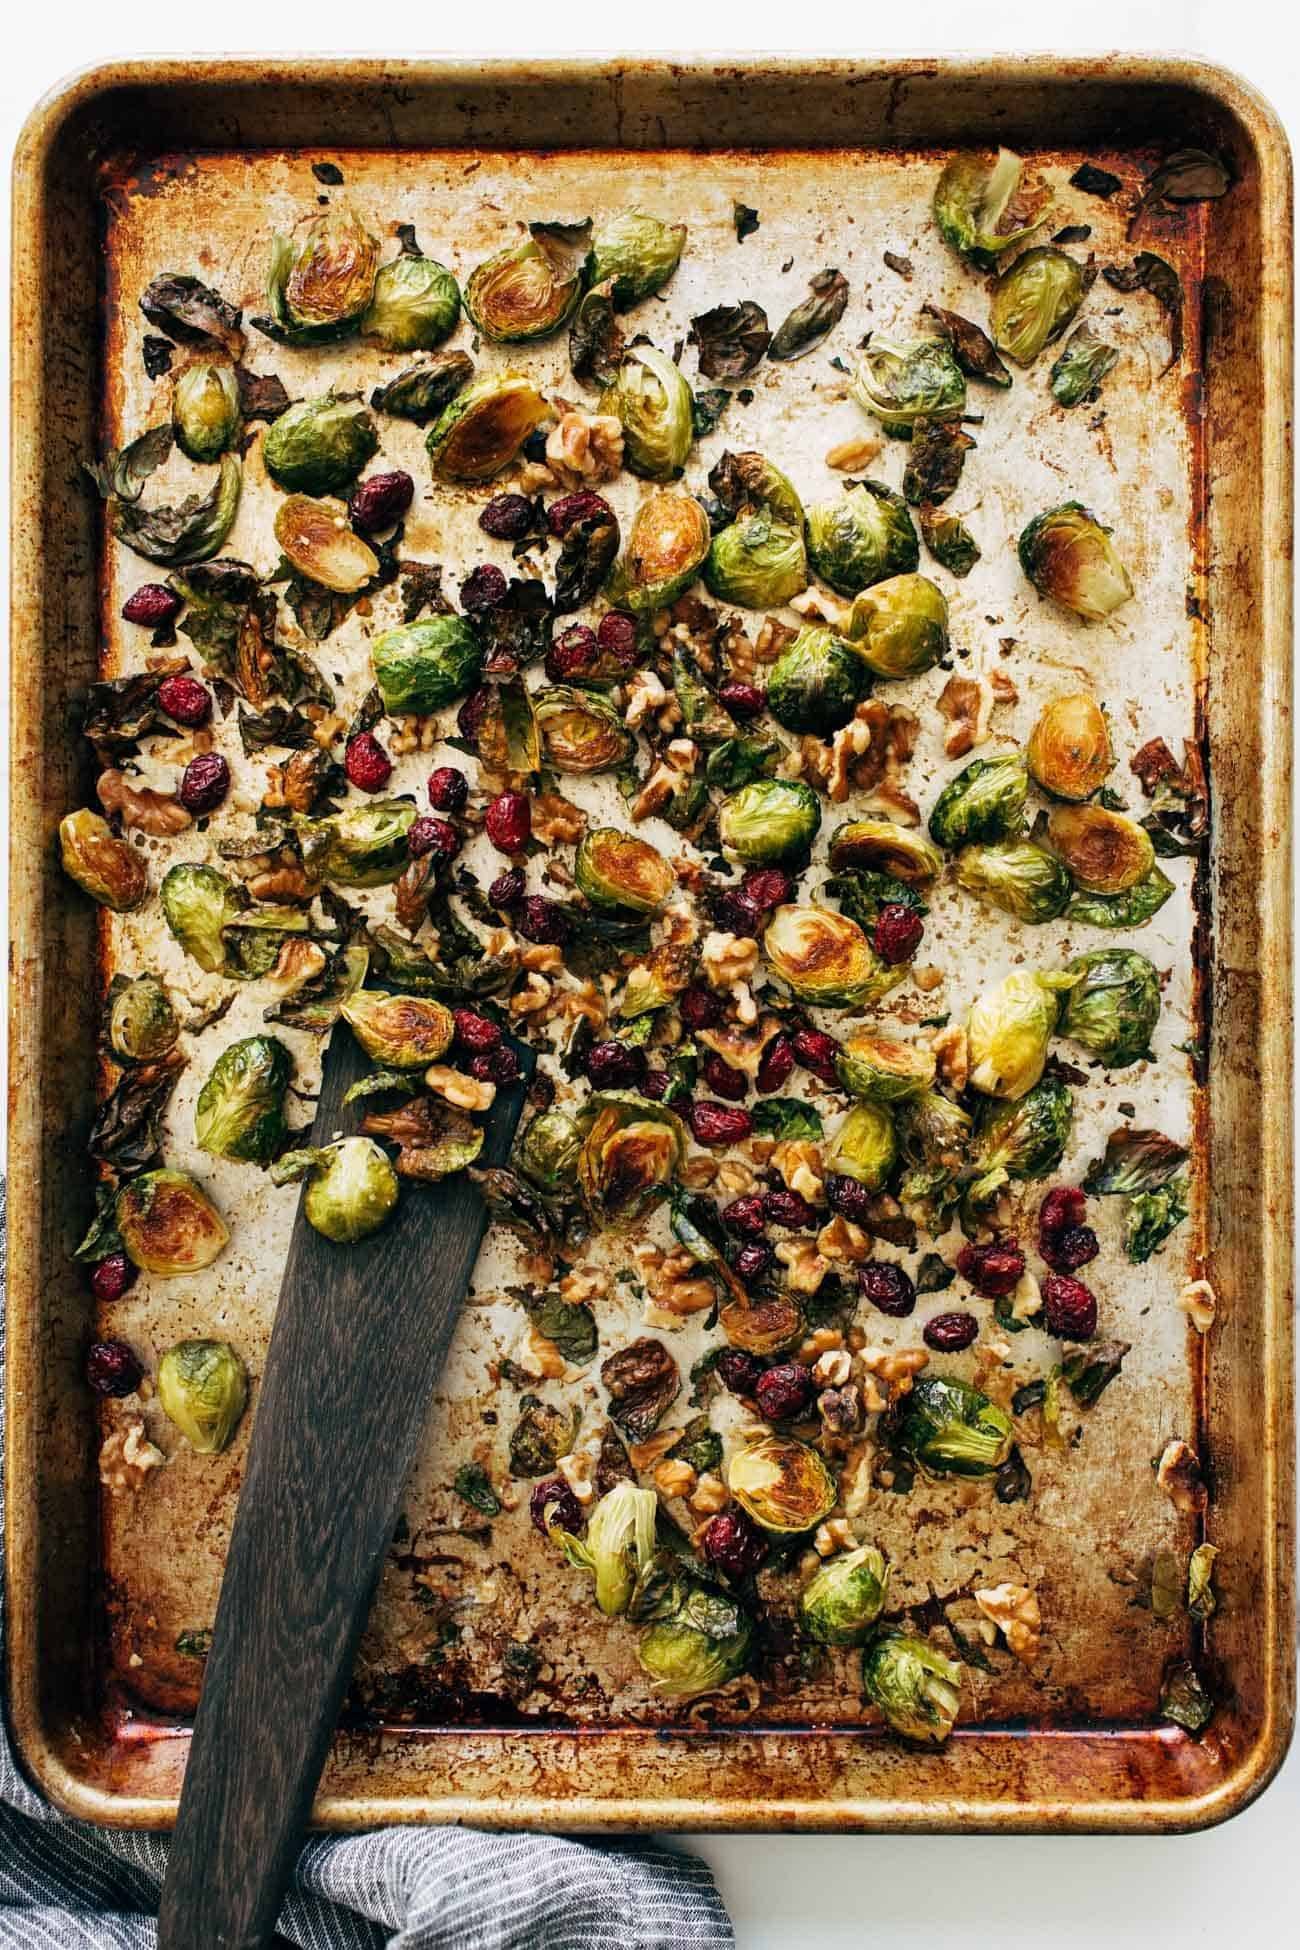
107 174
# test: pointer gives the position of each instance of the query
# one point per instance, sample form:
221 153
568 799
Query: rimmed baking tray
823 121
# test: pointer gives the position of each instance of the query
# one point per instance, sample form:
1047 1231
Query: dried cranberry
542 922
185 700
483 588
204 782
734 1544
737 914
153 605
849 1197
1065 1205
553 1502
992 1270
888 1287
430 835
495 1066
698 1008
507 517
112 1277
776 1065
507 890
742 700
745 1216
366 763
767 887
469 718
112 1368
715 1124
950 1333
562 514
737 1371
656 1084
784 1391
475 1032
783 1207
897 933
615 1066
1063 1239
1069 1308
616 635
817 1052
381 501
448 789
572 653
722 1079
753 1260
509 822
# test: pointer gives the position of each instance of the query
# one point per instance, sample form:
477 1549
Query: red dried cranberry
784 1391
817 1052
572 653
430 835
767 887
950 1333
698 1008
366 763
483 588
753 1260
469 718
888 1287
783 1207
614 1066
776 1065
475 1032
204 782
1069 1308
112 1368
737 914
737 1371
722 1079
507 890
745 1216
111 1277
656 1084
553 1502
542 922
448 789
495 1066
616 635
734 1544
849 1197
509 822
992 1270
716 1124
742 700
1063 1239
897 933
381 501
562 514
153 605
1064 1205
507 517
185 700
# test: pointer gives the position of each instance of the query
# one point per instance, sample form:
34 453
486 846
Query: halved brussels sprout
748 482
668 543
817 682
351 1186
1033 302
240 1109
319 445
1069 751
900 627
321 543
915 1687
1115 1007
1081 367
951 1429
971 201
319 287
864 537
842 1601
421 666
416 304
935 1139
986 801
782 1484
524 292
866 1146
1024 1139
142 1024
168 1224
757 562
901 383
652 400
581 732
1106 852
1019 876
484 427
548 1149
765 1324
403 1032
882 846
632 1149
639 252
107 868
1068 555
1010 1027
363 846
203 1389
825 959
205 408
618 1546
884 1069
1129 910
700 1635
198 905
616 870
769 820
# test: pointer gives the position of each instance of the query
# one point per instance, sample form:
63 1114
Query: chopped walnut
556 820
534 996
865 756
578 1469
294 784
832 1536
659 790
741 1046
1025 1300
1179 1475
1199 1302
699 1172
819 606
1004 691
458 1090
773 637
799 1161
674 1478
648 696
709 1495
543 957
682 754
675 1282
959 703
840 1409
951 1048
645 1455
583 999
822 1340
842 1241
728 958
299 961
927 977
584 1284
283 884
895 1366
832 1369
139 806
851 456
805 1267
330 727
415 734
126 1458
1013 1608
583 449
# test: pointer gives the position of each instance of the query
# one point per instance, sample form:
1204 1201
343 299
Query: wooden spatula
360 1335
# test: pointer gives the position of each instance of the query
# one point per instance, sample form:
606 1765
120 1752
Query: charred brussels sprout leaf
421 392
415 306
240 1109
547 1151
321 544
540 1437
1201 1600
985 802
1115 1007
1068 555
863 538
168 1224
127 1131
570 1329
319 286
883 1069
473 1485
616 870
643 1382
527 291
866 1146
351 1187
1088 1371
205 408
730 339
597 347
825 959
586 557
363 846
934 462
420 667
319 445
405 1032
637 252
951 1429
1106 852
1081 367
1150 273
842 1601
203 1389
1017 1140
650 398
769 820
482 429
972 348
740 761
632 1150
1018 876
812 321
1134 1161
916 1688
1127 910
787 1117
817 682
192 313
1009 1029
949 540
977 207
1185 1700
1069 751
580 731
1034 301
782 1484
666 548
1150 1217
191 531
882 846
899 627
142 1024
199 904
107 868
900 383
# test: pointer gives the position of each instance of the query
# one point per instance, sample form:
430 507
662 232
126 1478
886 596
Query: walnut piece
832 1536
709 1495
851 456
458 1090
967 704
951 1048
556 820
843 1242
805 1267
1013 1608
282 884
647 697
126 1458
674 1478
299 961
583 1284
728 958
1199 1302
676 1284
800 1163
1178 1474
139 806
583 448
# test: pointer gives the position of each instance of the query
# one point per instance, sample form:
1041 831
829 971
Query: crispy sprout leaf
1095 182
596 343
745 219
192 313
191 531
1150 273
812 321
586 557
1135 1161
473 1486
1185 1700
1088 1371
127 1131
934 462
420 392
948 539
572 1329
1150 1217
730 339
787 1117
972 347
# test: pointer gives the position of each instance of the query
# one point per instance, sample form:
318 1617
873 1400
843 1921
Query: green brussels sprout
203 1389
363 846
747 482
632 1149
482 429
1106 852
540 1437
951 1429
652 401
619 1544
864 537
700 1636
142 1024
421 666
107 868
986 801
639 252
817 682
900 627
198 905
768 821
205 408
169 1225
866 1146
1019 1140
1009 1029
351 1186
1069 751
971 201
1081 367
757 562
1033 302
900 384
1068 555
524 292
416 304
319 287
319 445
1116 1006
825 959
882 846
547 1151
884 1069
916 1688
317 538
935 1138
616 870
581 732
703 718
842 1601
403 1032
782 1484
1019 876
1150 1217
1128 910
668 543
240 1109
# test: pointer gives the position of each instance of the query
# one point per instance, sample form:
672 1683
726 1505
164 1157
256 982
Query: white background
1233 1887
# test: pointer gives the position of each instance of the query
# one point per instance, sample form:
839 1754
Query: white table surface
1232 1887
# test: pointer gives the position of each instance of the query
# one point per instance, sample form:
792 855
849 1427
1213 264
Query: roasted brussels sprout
1069 751
524 292
1106 852
1115 1007
864 537
972 200
639 252
1068 555
951 1429
900 384
825 959
1010 1027
403 1032
667 545
746 482
169 1225
203 1389
766 1324
351 1186
547 1152
631 1151
619 1544
416 304
580 731
319 445
540 1437
142 1024
205 408
842 1601
817 682
757 562
935 1138
884 1069
483 428
107 868
782 1484
363 846
769 821
240 1109
616 870
882 846
700 1635
319 286
899 627
1081 367
319 541
1019 1140
652 400
1128 910
198 905
986 801
1033 302
422 666
1019 876
916 1688
866 1146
